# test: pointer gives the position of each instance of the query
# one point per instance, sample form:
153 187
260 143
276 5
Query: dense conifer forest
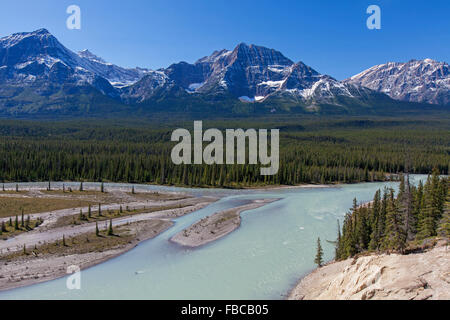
311 151
397 223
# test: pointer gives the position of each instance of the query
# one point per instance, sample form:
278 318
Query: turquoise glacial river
263 259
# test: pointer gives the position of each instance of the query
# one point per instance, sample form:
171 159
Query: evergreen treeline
313 153
389 222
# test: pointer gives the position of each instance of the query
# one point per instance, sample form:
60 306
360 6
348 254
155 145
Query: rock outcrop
419 276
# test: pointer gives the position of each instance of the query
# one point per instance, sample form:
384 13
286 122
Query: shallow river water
274 246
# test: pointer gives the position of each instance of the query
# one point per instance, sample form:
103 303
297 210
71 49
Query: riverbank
298 186
216 226
35 267
44 252
418 276
10 187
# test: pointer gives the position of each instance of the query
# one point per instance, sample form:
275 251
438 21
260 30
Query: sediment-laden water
274 246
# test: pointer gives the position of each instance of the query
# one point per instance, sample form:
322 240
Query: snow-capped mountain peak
425 80
40 50
248 70
15 38
253 73
90 56
249 73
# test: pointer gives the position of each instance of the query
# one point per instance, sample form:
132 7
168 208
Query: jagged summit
41 31
42 36
89 55
258 55
253 73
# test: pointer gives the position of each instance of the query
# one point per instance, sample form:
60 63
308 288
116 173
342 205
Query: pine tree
377 221
355 205
417 205
319 255
395 238
432 209
64 241
404 200
337 250
362 228
81 186
22 220
401 188
3 226
347 246
97 231
27 222
102 188
89 212
99 210
132 190
163 175
444 223
16 223
110 229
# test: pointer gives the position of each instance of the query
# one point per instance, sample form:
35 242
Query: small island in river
215 226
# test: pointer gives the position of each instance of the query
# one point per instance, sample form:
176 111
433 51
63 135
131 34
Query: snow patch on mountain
273 84
193 87
251 100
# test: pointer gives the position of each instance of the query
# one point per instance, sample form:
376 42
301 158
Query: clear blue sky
330 36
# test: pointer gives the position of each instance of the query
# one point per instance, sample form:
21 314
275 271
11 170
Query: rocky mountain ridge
415 81
38 73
